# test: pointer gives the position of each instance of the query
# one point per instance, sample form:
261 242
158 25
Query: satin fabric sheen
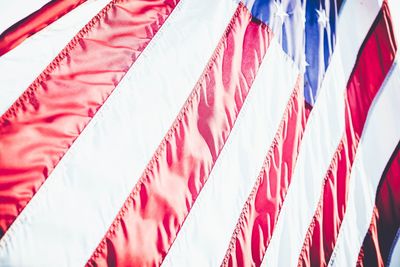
151 218
42 124
30 25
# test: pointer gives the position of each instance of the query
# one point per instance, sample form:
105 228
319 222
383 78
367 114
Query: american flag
199 133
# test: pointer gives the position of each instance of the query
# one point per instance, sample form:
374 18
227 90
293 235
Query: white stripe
394 257
205 235
380 136
21 65
321 138
71 212
13 11
394 7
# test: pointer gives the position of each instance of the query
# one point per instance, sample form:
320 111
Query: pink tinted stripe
43 123
153 214
385 217
33 23
261 210
375 58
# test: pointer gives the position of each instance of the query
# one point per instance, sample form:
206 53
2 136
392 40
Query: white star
280 12
322 18
304 64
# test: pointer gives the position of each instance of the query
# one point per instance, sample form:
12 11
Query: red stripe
38 20
372 65
43 123
151 217
385 218
257 221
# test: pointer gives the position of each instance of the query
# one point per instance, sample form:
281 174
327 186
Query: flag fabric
199 133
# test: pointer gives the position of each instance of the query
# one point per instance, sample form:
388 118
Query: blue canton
306 31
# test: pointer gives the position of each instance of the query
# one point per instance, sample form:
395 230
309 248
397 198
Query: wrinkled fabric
38 20
373 64
83 194
153 214
42 124
385 223
26 62
209 226
260 213
301 34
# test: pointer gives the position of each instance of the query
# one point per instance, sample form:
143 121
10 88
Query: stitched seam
231 135
28 95
170 133
7 237
318 212
246 208
167 137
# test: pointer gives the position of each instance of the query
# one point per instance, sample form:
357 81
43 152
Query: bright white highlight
25 62
71 212
322 135
206 233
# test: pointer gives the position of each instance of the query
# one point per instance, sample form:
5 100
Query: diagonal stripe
151 217
205 234
47 117
33 23
302 36
288 26
383 219
41 49
256 222
259 216
13 11
385 216
93 179
385 222
324 130
394 7
372 155
373 64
